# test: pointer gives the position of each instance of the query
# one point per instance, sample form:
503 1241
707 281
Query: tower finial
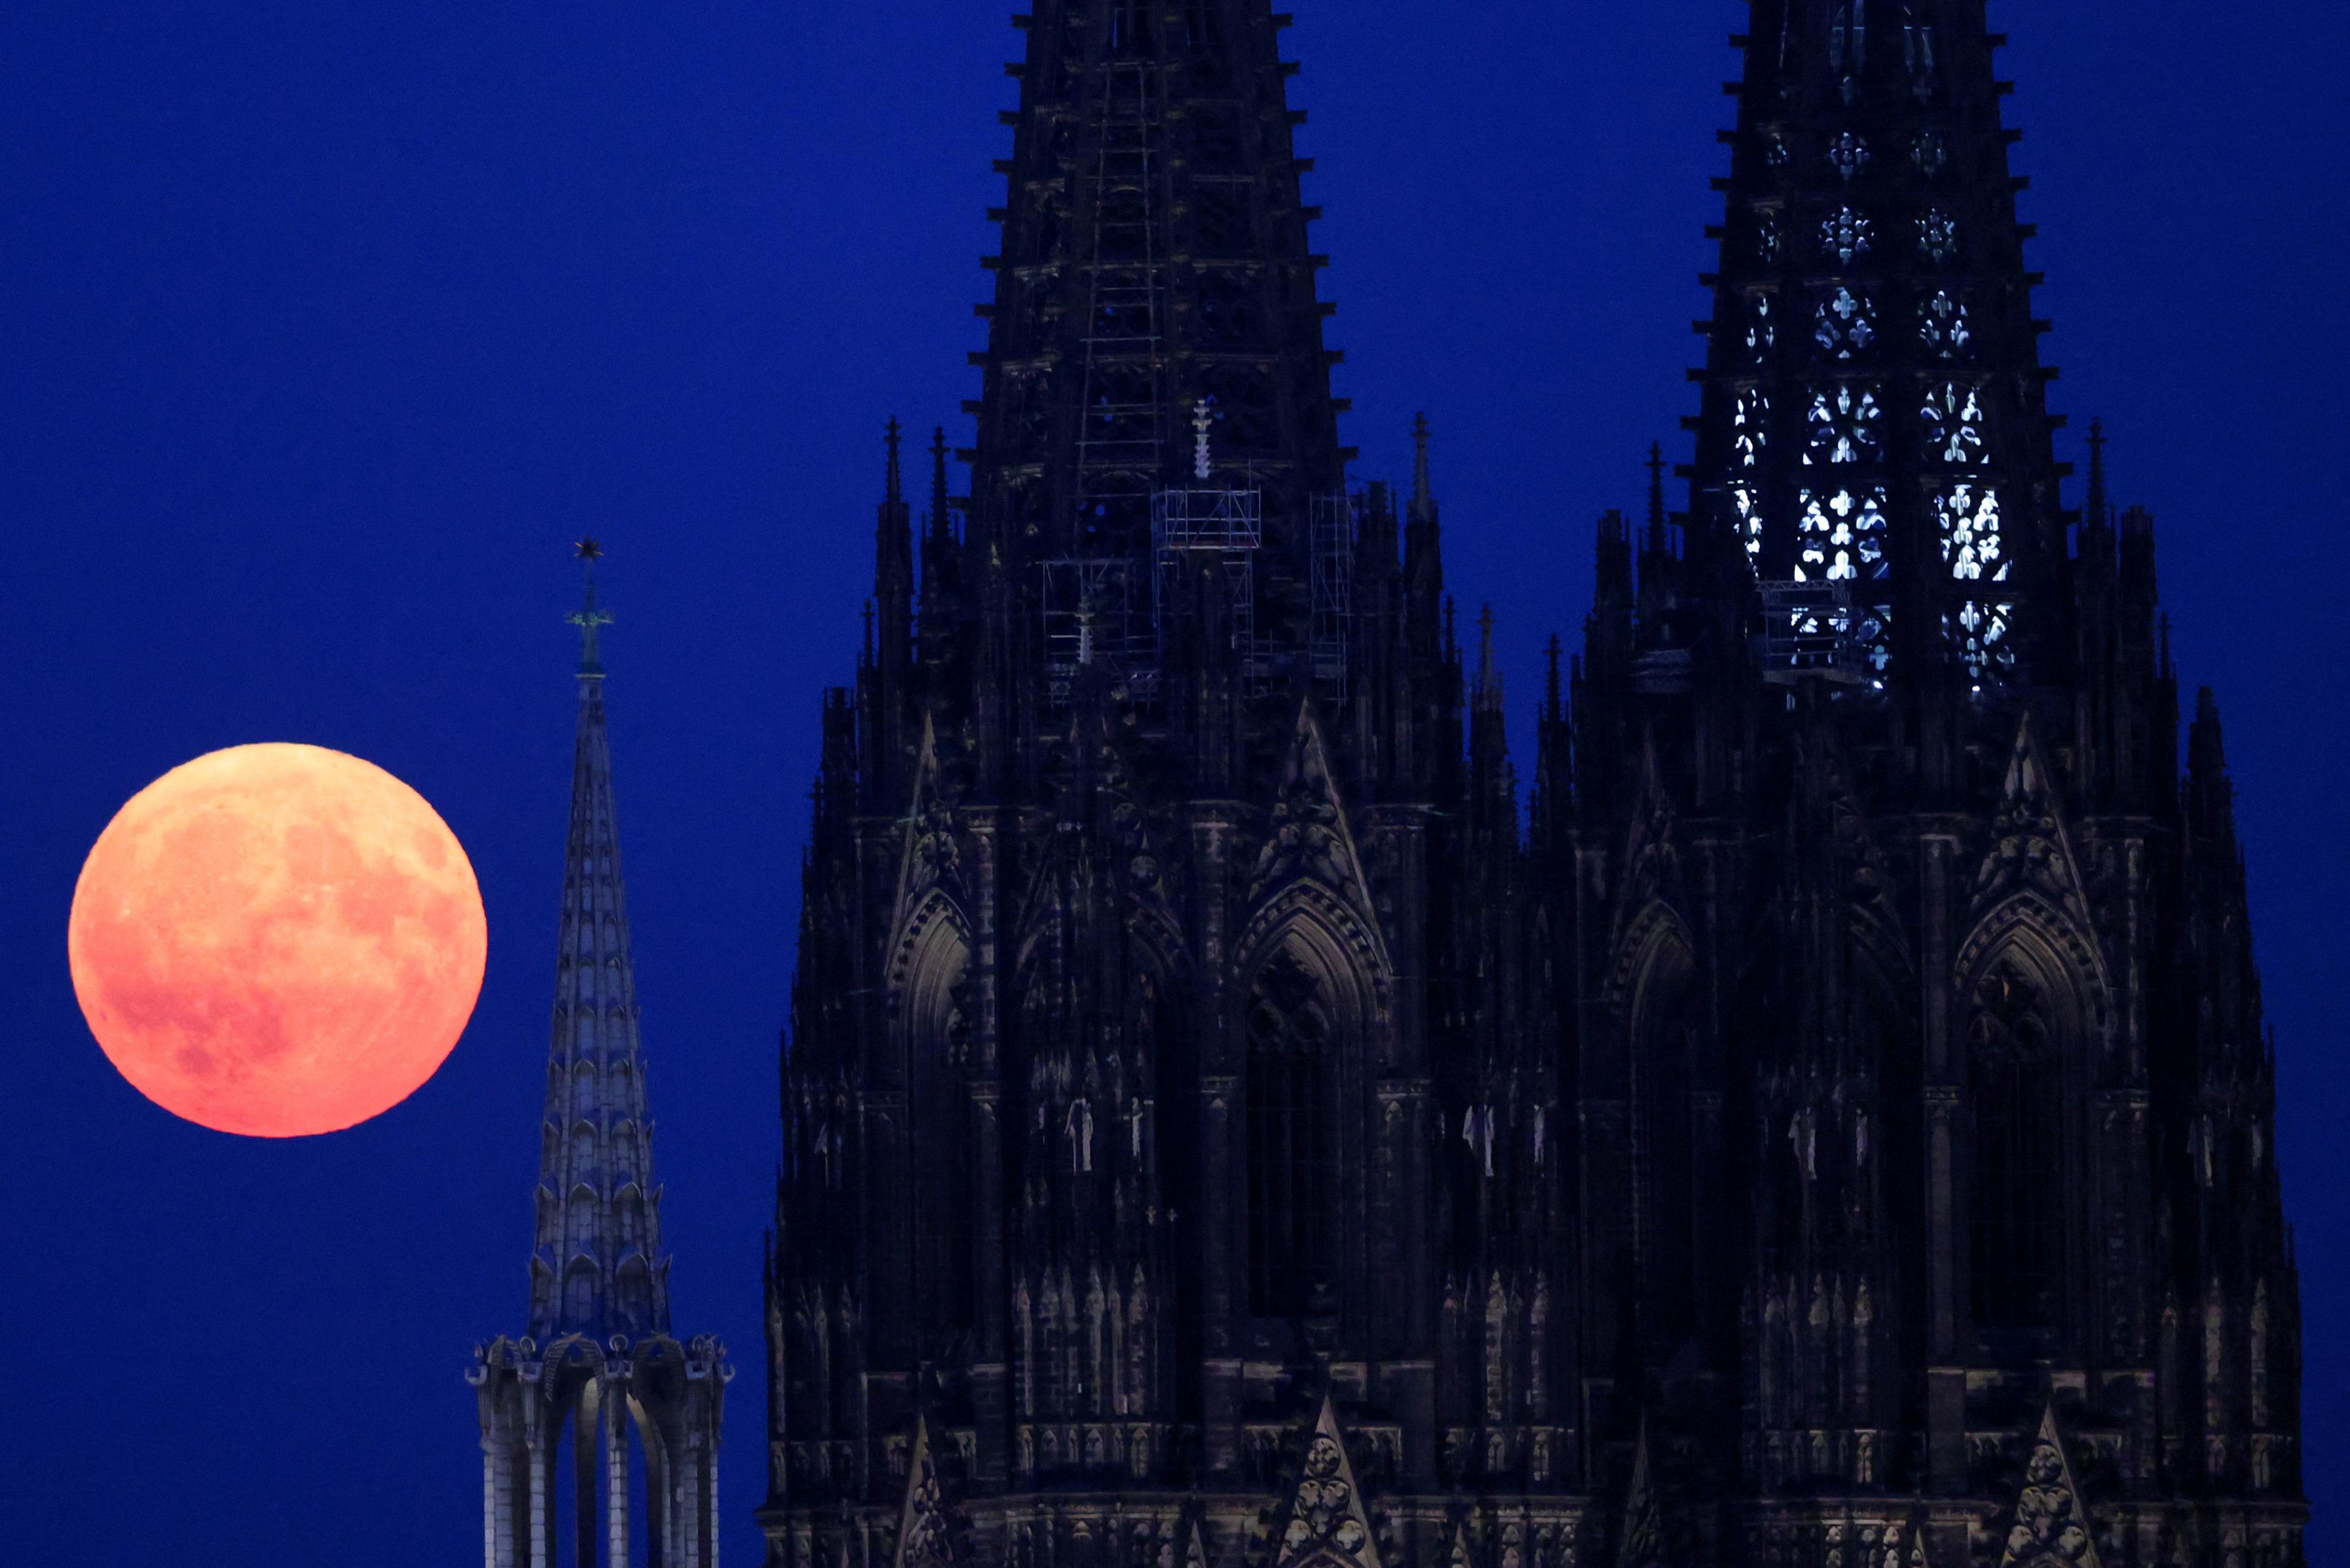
1488 686
1423 493
894 436
588 618
939 498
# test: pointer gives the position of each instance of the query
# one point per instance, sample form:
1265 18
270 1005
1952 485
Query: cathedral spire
1154 254
893 566
597 1268
1423 492
1875 413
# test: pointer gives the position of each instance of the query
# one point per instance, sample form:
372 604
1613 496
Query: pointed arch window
938 1010
1664 1035
1290 1149
2018 1094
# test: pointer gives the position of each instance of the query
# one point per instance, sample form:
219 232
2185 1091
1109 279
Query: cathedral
1823 1120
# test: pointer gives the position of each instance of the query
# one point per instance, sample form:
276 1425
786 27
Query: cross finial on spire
588 618
1422 492
940 500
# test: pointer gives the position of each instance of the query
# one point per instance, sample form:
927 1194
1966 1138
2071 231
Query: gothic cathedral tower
1835 1129
600 1428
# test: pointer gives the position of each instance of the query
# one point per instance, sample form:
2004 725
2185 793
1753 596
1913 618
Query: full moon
277 941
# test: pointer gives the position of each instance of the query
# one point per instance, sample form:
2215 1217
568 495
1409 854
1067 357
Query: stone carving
1642 1544
2050 1527
2029 847
1324 1524
925 1539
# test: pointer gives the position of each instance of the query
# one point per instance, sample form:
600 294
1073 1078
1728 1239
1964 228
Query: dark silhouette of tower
1835 1127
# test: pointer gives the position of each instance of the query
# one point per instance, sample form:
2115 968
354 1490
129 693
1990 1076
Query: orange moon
277 941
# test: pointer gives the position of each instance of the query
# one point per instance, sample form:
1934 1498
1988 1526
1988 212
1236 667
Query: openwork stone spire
1154 256
596 1268
1873 414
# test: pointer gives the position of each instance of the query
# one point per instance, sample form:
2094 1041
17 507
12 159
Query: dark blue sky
324 328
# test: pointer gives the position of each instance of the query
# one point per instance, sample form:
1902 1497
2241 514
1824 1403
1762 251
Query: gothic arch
930 1022
2058 948
2031 1008
928 962
1322 929
1662 1012
1646 939
1309 999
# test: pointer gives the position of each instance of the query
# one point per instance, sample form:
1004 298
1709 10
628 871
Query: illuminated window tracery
1979 632
1762 331
1849 154
1847 236
1953 419
1846 424
1767 238
1943 325
1968 518
1938 236
1841 537
1746 508
1929 154
1749 421
1846 323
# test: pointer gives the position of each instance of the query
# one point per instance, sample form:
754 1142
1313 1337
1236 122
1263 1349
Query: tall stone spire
597 1266
599 1383
1873 413
1154 254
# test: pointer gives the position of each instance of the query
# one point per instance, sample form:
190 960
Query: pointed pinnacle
1424 493
939 480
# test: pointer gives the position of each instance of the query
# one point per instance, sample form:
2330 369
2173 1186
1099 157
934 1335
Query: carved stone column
615 1472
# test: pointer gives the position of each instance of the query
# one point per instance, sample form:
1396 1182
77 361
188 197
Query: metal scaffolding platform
1336 522
1225 527
1096 610
1810 631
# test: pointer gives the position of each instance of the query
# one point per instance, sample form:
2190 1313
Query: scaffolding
1120 428
1810 630
1224 528
1336 522
1095 613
